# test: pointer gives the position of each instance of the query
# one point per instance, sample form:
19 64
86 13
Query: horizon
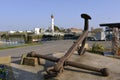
28 14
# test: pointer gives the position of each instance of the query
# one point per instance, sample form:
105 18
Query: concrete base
30 61
5 59
70 73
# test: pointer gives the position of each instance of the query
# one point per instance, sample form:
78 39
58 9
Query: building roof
75 30
111 25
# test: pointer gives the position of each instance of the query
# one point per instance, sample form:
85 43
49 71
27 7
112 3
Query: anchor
63 61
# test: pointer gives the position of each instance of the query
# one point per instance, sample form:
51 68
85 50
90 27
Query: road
47 47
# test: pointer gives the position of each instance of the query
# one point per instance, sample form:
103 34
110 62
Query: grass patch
17 46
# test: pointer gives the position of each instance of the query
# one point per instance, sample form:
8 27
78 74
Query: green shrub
97 48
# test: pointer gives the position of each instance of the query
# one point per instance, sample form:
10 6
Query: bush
97 48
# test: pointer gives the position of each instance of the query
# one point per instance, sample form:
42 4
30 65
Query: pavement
24 72
57 48
46 47
93 60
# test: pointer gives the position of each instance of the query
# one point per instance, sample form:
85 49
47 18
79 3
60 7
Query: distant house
12 31
75 30
108 31
20 31
55 33
100 36
38 30
98 33
29 31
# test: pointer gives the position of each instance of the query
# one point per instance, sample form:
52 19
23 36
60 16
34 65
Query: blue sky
28 14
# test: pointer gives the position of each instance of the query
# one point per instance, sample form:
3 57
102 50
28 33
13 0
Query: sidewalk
23 72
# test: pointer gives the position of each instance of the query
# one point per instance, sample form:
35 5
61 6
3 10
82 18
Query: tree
97 30
5 36
56 28
62 29
94 31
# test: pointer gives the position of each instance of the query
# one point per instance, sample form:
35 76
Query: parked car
91 39
109 37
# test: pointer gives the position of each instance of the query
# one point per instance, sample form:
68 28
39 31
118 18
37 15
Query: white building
20 31
28 31
55 33
100 36
11 31
37 30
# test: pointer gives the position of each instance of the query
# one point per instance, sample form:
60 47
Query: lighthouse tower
52 28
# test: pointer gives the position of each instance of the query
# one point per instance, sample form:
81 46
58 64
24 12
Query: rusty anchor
82 39
103 71
63 61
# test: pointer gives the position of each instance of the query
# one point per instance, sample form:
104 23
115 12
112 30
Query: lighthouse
52 28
